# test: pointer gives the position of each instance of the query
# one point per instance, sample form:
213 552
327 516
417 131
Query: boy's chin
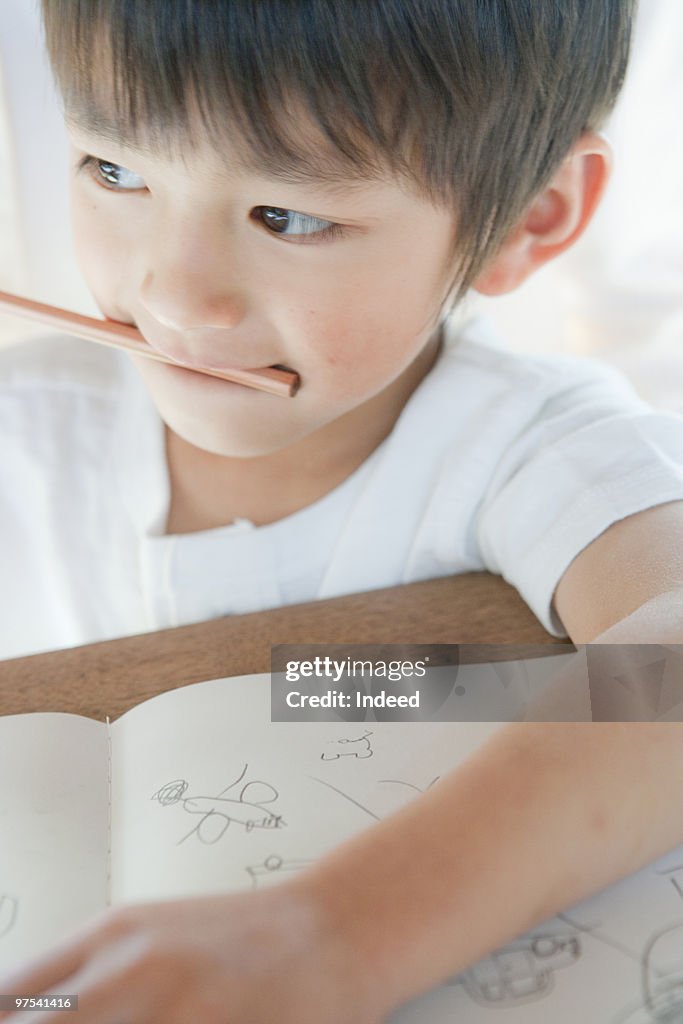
221 419
244 438
233 444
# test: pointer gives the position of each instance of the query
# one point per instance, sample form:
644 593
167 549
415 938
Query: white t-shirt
499 461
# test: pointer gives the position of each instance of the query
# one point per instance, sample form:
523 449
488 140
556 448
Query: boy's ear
555 219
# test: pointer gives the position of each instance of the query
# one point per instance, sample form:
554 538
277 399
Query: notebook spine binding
109 774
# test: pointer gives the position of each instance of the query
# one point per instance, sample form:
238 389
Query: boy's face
222 269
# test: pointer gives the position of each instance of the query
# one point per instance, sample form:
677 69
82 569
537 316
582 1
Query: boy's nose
191 304
192 297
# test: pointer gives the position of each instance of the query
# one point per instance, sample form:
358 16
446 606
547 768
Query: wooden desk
108 678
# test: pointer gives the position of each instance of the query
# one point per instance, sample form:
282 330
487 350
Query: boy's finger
18 1016
45 972
97 1004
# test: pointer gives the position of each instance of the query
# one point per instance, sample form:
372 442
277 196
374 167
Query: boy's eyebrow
321 174
106 131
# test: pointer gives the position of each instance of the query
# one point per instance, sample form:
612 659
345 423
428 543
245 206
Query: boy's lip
223 367
198 366
203 364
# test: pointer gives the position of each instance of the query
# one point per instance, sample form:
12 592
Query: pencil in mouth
276 380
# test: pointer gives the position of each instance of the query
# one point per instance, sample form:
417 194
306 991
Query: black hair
473 103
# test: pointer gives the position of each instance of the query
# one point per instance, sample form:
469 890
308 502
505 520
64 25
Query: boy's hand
258 957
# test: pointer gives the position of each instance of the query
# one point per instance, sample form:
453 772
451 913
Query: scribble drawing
521 972
171 793
411 785
362 807
246 807
662 974
273 866
9 907
668 870
360 752
675 876
352 800
598 934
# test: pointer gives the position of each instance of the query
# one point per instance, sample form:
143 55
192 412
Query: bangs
284 85
470 104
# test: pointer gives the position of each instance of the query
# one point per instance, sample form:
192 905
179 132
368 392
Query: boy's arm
539 817
635 563
536 819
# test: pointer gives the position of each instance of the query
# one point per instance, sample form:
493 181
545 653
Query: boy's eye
287 223
291 224
112 176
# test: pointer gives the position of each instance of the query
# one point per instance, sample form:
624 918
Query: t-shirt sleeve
589 455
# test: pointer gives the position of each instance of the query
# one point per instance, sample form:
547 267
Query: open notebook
197 791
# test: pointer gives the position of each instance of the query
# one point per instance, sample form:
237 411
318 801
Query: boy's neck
210 491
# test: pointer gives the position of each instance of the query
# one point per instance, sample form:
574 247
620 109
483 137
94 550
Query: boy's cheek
101 253
344 370
104 291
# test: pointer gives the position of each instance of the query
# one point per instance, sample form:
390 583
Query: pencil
272 379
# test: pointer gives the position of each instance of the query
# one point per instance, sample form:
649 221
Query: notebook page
208 794
616 958
53 829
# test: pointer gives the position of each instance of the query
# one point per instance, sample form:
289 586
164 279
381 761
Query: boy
313 184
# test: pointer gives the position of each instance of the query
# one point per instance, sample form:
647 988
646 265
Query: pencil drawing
9 906
411 785
273 866
246 808
171 793
675 877
662 974
362 807
661 980
361 753
520 972
346 796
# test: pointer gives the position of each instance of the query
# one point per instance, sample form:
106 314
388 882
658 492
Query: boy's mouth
275 378
197 366
203 368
